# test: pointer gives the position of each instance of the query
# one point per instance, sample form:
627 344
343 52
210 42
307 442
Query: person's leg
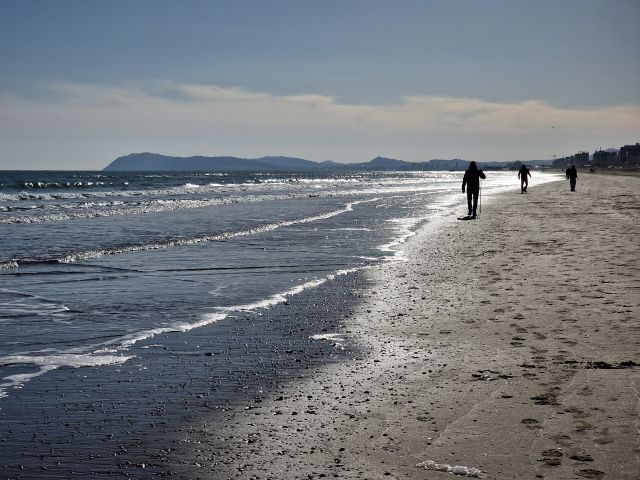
522 185
526 184
475 202
469 195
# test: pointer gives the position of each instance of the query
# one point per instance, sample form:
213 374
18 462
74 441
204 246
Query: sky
83 82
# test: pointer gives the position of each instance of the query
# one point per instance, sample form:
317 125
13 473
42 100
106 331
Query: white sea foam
18 380
127 341
334 337
351 229
282 297
47 363
404 228
64 360
6 264
338 339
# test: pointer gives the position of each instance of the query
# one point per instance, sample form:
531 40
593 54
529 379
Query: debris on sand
452 469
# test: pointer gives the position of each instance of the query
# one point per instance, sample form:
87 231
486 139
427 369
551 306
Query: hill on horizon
147 161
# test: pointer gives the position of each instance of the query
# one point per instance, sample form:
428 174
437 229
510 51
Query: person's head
472 166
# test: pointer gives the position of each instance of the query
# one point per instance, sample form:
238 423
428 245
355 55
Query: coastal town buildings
580 159
605 158
627 158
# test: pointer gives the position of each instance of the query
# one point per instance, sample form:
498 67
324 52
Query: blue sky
86 81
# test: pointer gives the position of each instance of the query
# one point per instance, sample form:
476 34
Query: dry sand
507 345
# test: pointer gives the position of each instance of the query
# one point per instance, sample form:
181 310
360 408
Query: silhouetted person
523 173
471 180
567 172
572 174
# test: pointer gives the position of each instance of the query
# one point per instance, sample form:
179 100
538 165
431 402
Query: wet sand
507 347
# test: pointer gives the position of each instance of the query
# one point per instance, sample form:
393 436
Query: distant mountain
138 162
156 162
383 163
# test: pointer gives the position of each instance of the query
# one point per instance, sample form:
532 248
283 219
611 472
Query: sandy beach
505 347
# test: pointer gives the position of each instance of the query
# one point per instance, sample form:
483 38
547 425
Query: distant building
581 159
629 156
605 158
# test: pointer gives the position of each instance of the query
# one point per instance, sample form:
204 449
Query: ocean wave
17 304
111 352
58 185
88 188
102 209
141 206
89 254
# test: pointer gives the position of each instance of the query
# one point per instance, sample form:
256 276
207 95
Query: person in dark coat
572 173
523 173
471 181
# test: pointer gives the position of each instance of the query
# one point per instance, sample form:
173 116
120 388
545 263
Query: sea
92 263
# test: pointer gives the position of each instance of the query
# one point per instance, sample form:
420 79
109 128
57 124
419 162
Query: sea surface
93 262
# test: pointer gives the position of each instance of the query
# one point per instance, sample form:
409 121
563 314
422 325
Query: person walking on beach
572 175
471 181
523 173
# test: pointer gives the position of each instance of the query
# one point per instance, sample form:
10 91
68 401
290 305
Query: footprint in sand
585 391
582 426
577 412
551 457
603 437
581 457
590 473
548 398
531 423
562 440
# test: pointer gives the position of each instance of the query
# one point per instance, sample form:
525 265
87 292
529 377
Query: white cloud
183 118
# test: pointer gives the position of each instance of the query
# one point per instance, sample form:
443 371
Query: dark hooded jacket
472 178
